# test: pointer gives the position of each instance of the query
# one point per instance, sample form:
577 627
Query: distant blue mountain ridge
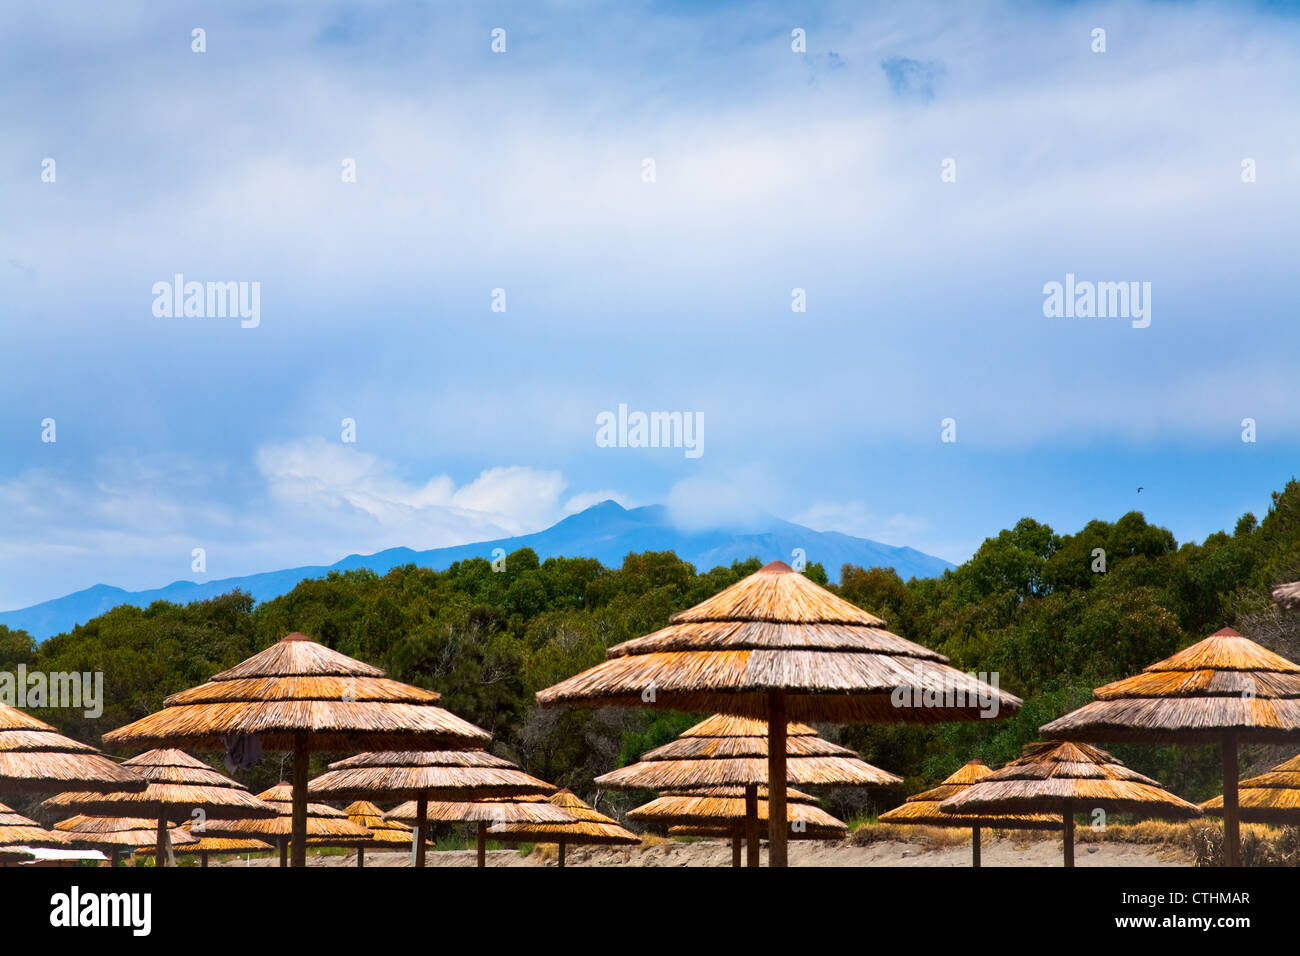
606 532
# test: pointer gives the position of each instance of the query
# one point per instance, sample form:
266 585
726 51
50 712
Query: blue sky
774 170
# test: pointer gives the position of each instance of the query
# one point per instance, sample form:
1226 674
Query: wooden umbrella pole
1067 819
113 859
736 840
361 858
299 852
203 861
160 851
776 821
1231 812
561 863
752 847
482 843
975 847
284 852
421 825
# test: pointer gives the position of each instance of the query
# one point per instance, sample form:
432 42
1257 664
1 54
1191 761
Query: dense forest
1035 606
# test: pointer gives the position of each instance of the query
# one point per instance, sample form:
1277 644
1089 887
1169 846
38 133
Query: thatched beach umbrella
589 828
208 844
485 813
1272 797
724 811
180 788
777 647
725 750
386 833
36 758
115 834
922 809
18 831
425 776
301 696
1066 778
1225 689
326 827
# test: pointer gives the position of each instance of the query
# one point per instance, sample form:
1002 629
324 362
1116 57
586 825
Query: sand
999 852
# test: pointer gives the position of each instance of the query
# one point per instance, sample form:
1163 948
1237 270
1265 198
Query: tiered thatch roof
589 827
721 810
725 750
301 696
777 631
923 808
777 647
299 686
387 832
1225 689
442 774
34 757
116 833
1056 775
208 843
178 785
1272 797
1225 683
325 825
17 830
530 809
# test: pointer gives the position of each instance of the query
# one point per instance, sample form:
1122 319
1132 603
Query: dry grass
777 631
1226 682
933 838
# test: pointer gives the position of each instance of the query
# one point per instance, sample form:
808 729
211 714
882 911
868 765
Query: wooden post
752 848
284 852
112 860
776 821
482 843
300 756
975 847
1231 812
160 851
203 861
1067 818
561 863
421 825
736 839
361 858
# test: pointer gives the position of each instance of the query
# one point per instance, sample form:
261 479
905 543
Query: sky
647 183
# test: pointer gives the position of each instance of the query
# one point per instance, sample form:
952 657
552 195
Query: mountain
606 532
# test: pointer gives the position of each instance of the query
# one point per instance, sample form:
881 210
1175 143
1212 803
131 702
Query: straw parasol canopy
17 830
723 811
922 809
725 750
1288 596
34 757
179 787
777 647
115 834
1272 797
533 808
423 776
1066 778
326 826
590 827
301 696
1225 689
384 832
